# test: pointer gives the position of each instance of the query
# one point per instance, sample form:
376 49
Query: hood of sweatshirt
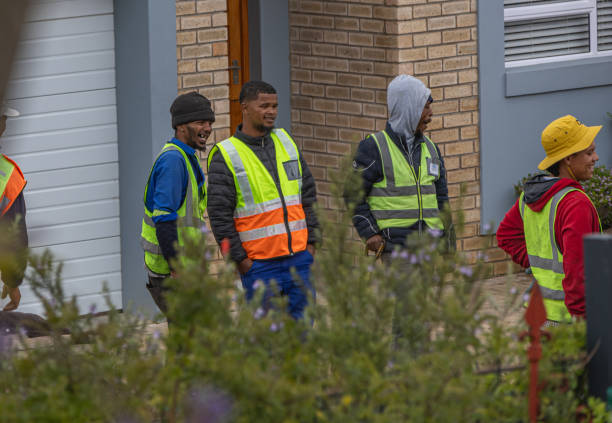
406 98
540 189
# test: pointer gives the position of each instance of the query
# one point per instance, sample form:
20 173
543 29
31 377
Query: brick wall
201 51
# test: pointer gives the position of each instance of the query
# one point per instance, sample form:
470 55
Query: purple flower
513 290
414 259
274 327
204 229
486 227
208 405
370 268
526 298
466 271
435 232
92 308
256 285
404 254
394 254
156 335
259 313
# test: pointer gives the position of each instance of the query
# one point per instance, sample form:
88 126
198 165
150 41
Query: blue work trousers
281 273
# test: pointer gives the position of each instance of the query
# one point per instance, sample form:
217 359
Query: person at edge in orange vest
13 260
175 193
545 227
260 197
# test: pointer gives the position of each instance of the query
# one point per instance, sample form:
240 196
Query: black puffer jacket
222 193
368 163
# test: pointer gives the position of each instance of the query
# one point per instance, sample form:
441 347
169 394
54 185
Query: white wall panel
63 83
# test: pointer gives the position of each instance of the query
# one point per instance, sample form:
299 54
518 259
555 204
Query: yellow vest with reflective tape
270 222
405 195
545 259
190 217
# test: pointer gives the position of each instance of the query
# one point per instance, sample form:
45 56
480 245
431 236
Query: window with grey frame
540 31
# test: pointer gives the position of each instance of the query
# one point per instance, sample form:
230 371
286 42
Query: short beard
193 134
264 128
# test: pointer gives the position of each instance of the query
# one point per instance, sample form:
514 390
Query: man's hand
311 249
245 265
374 242
15 296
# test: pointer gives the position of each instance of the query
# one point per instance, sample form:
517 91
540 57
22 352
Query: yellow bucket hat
564 137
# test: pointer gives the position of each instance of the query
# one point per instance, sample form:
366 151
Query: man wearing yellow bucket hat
545 227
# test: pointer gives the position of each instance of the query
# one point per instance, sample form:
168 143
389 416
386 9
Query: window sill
558 76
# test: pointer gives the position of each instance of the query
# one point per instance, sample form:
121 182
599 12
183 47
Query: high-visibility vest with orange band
270 221
12 183
545 259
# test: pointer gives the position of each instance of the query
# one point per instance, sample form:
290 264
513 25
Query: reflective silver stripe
546 264
433 153
150 247
287 143
385 155
405 191
404 214
552 294
148 220
395 214
430 213
291 200
271 230
291 149
240 171
557 267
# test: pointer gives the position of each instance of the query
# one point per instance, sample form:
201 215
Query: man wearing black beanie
175 194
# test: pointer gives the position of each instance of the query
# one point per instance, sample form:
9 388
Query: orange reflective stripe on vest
12 183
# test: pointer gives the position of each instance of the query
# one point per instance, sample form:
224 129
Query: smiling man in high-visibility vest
260 197
175 194
13 250
545 227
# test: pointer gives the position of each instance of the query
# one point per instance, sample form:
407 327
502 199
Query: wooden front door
238 44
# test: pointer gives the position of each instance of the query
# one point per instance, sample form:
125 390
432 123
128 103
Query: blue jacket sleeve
169 185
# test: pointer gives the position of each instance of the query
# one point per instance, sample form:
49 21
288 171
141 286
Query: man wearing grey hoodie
404 179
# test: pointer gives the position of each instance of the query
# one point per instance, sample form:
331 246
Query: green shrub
599 189
230 360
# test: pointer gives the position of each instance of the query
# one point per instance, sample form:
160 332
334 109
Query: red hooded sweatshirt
576 217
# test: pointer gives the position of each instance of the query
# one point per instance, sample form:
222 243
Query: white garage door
65 141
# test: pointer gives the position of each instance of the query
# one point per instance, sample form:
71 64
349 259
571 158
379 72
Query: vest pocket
292 169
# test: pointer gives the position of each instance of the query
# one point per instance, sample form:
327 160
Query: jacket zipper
282 197
417 176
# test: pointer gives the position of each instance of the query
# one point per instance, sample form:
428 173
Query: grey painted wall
269 51
517 104
145 49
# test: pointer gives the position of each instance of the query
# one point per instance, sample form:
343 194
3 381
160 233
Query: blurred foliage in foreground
225 360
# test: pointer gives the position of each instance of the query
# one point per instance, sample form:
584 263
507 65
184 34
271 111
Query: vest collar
247 139
180 144
398 142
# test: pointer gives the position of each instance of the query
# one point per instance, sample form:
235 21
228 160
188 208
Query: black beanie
189 108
